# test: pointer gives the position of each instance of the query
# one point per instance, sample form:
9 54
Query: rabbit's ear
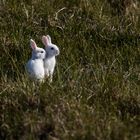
45 40
49 39
33 44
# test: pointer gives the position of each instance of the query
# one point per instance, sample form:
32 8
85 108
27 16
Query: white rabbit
35 66
51 51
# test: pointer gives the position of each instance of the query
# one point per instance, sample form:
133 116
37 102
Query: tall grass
95 90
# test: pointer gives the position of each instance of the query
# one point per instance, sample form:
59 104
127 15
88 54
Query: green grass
95 93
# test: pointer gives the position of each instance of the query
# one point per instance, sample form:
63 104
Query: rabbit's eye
41 51
52 48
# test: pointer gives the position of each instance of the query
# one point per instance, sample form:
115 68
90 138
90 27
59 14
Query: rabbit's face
52 50
39 53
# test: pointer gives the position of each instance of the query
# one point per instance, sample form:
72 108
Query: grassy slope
95 92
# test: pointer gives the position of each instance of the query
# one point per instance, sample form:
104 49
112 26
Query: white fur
35 66
50 61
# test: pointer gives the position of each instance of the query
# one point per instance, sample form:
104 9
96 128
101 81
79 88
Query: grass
95 90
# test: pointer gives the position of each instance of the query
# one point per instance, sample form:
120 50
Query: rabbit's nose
57 52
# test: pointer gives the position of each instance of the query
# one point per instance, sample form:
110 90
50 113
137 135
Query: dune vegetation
95 93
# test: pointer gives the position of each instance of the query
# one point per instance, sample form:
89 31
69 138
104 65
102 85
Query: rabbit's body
49 65
35 69
35 66
51 51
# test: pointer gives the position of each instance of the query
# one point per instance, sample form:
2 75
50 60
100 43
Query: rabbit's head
37 53
51 49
